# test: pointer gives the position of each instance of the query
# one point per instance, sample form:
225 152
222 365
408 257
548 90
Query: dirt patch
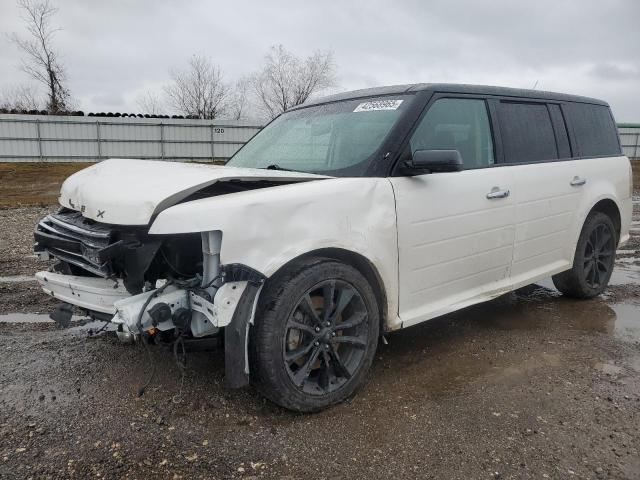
24 297
528 385
16 240
34 183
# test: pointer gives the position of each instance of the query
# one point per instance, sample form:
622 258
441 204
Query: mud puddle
625 273
443 356
627 322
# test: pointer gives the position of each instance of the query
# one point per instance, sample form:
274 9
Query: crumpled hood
132 192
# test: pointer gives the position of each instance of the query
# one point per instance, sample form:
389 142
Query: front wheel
315 335
594 259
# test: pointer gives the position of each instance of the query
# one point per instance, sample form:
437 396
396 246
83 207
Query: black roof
454 88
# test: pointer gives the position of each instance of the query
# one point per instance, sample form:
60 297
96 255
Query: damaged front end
161 286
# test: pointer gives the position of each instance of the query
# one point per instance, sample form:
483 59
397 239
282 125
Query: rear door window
527 132
593 128
457 124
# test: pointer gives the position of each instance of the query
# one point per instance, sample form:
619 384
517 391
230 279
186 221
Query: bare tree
286 80
239 101
198 91
20 97
41 60
150 102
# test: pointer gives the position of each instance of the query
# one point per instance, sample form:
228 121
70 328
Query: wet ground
531 385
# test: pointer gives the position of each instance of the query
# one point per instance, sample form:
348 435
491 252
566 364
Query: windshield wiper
277 167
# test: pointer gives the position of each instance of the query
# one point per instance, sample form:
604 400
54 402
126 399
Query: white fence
630 139
34 138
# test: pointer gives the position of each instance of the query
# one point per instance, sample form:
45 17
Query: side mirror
434 161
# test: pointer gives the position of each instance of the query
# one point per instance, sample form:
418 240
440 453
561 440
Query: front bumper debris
111 297
91 293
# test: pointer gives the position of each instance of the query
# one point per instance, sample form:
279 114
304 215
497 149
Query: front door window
457 124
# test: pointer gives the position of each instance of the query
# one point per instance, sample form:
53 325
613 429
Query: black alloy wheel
326 337
598 256
593 260
315 334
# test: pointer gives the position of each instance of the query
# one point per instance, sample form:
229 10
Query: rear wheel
315 335
594 259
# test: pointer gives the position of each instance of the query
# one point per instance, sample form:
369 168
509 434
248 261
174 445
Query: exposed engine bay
161 287
127 253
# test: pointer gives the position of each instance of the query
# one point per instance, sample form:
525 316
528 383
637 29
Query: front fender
266 228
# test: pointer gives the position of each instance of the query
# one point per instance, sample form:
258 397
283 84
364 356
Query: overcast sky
115 50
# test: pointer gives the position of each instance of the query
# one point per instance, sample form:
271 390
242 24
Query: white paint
92 293
266 228
455 244
457 248
131 192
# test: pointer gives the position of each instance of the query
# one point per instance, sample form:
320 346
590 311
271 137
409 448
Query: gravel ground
16 240
530 385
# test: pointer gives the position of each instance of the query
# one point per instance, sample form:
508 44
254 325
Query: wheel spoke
339 367
346 294
587 269
302 327
302 374
604 238
353 321
591 275
328 291
326 371
306 305
603 267
351 340
596 274
298 353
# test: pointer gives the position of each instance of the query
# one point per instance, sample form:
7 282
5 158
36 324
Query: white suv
343 219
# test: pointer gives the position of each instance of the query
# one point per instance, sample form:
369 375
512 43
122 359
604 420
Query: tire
591 268
305 357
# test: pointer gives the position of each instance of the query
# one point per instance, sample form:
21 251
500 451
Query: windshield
335 138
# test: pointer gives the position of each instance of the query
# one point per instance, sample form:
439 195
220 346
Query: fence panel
630 140
28 138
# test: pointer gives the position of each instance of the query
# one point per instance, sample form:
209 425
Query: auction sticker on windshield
378 105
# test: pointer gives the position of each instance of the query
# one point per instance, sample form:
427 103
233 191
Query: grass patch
34 183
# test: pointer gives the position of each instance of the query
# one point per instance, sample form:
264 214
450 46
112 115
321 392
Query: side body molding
264 229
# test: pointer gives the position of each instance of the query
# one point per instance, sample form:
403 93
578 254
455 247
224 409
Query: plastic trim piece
236 335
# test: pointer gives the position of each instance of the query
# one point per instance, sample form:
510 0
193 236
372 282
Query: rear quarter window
594 130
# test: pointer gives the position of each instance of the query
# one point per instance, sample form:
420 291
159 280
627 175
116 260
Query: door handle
497 193
577 181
